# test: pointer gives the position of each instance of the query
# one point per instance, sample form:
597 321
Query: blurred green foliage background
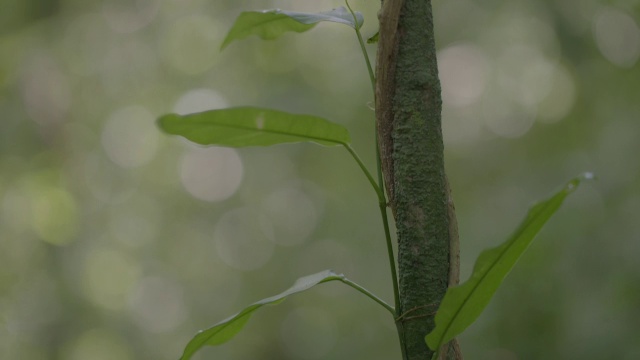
118 242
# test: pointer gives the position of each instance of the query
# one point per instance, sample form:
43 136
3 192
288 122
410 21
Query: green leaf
249 126
374 39
462 304
227 329
270 24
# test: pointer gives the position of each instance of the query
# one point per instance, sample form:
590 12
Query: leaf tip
573 184
227 40
163 120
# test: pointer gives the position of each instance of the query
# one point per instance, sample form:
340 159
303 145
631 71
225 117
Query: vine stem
382 201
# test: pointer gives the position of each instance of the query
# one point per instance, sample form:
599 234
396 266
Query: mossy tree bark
408 111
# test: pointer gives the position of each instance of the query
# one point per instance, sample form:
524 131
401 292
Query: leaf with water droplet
463 304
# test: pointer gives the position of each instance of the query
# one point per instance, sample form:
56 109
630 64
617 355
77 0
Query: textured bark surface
408 110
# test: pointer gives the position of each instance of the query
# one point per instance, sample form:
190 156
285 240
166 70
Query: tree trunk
408 111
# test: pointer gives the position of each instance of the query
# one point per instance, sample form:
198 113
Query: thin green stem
372 77
366 172
381 196
392 262
370 295
382 203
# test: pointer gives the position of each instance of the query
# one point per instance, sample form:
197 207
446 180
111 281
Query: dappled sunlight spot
129 16
198 100
293 215
525 74
560 99
97 344
108 278
309 333
130 137
463 70
157 305
241 241
211 174
617 36
45 90
191 44
55 215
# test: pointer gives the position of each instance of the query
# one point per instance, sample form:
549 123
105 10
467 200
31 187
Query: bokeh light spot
199 100
130 137
15 207
157 305
86 44
109 277
130 15
525 74
241 241
55 215
506 118
97 344
106 181
211 174
463 72
617 36
293 215
136 221
46 90
561 98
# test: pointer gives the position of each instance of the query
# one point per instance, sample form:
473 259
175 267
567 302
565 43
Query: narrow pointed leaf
270 24
249 126
462 304
228 328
